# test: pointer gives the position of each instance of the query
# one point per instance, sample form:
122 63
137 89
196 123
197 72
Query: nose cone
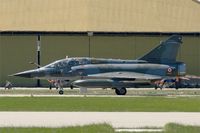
26 74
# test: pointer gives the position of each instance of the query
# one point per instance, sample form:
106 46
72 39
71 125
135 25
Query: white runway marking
116 119
138 130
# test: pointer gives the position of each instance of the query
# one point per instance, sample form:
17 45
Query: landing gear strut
120 91
176 85
156 86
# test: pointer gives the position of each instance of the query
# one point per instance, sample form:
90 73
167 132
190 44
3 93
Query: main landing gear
120 91
61 92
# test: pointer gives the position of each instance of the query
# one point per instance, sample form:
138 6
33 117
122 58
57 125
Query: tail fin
166 52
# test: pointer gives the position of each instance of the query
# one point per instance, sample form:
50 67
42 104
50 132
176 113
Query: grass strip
104 104
93 128
96 128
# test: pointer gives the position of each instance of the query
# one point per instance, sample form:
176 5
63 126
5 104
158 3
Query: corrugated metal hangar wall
16 51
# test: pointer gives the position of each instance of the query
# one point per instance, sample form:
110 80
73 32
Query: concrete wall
17 50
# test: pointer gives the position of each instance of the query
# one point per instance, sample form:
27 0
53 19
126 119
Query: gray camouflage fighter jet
157 67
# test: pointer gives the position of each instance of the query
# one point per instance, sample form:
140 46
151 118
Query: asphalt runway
116 119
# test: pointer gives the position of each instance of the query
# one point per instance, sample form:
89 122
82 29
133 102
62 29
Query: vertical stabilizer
166 52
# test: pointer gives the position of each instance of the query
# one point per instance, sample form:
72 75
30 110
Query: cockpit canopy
67 63
70 62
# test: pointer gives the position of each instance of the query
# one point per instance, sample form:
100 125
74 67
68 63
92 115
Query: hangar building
123 29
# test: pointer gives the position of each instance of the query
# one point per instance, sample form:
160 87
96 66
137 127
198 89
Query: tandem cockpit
70 62
67 63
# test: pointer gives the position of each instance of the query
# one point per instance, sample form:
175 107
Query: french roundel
169 69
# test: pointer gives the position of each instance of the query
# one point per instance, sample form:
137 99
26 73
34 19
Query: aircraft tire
61 92
121 91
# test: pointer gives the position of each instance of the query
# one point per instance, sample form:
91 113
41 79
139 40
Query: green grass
112 104
96 128
177 128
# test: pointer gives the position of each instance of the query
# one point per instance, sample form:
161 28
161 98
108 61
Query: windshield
59 63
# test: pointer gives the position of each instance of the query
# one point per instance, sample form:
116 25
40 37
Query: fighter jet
157 67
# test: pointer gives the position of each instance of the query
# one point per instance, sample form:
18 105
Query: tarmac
121 121
96 92
116 119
